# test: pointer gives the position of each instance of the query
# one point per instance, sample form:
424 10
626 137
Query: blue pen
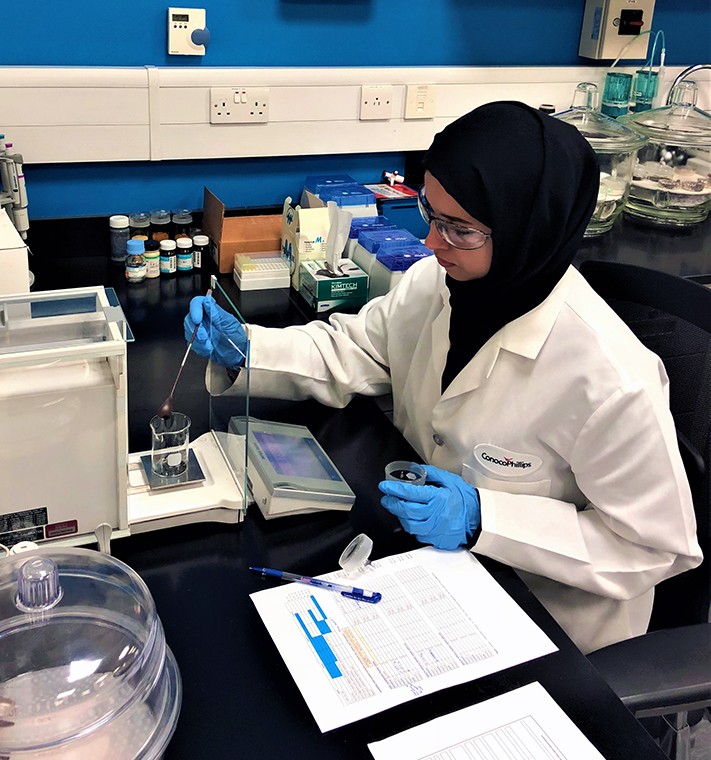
351 592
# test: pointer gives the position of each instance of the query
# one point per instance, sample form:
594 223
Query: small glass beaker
170 437
408 472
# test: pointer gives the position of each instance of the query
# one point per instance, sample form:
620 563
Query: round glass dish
616 149
671 186
85 671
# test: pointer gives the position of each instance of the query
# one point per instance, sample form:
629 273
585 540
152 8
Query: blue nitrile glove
442 514
220 336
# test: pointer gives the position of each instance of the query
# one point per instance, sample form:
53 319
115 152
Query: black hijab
533 180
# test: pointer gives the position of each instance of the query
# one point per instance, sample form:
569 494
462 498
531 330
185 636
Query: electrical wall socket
376 101
239 105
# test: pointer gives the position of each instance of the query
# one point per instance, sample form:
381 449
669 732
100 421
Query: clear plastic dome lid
681 122
604 134
84 659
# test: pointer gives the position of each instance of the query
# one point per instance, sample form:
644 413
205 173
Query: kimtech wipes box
325 291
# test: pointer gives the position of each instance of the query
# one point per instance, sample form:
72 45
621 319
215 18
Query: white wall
63 115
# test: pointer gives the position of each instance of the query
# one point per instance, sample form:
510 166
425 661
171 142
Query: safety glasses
454 234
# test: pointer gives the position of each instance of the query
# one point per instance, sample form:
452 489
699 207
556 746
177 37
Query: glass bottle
168 258
201 247
152 257
185 254
135 261
120 233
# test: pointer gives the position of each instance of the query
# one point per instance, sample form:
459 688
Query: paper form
524 724
443 620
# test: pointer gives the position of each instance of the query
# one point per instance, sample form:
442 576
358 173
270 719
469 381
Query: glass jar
160 225
85 671
616 149
671 186
139 224
182 222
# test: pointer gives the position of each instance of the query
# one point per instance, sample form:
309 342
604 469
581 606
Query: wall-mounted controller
187 33
608 25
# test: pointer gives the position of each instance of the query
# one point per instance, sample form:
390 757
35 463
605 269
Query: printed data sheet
442 620
525 724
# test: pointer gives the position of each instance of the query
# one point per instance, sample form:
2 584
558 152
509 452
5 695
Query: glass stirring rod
166 408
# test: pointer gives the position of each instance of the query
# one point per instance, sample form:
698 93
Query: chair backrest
672 317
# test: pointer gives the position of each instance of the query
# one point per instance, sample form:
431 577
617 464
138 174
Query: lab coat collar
524 336
527 334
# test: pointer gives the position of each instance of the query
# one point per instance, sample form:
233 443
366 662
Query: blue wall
291 33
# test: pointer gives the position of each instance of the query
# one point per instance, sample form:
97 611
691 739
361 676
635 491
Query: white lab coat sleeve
639 526
330 362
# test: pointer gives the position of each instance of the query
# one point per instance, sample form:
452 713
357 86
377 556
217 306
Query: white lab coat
561 421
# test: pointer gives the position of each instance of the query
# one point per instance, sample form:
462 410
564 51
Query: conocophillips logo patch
504 462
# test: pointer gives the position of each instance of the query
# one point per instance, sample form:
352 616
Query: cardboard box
324 292
303 236
230 235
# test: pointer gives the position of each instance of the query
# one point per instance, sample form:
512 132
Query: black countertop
684 251
239 699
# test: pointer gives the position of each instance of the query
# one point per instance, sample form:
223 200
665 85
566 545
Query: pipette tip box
261 271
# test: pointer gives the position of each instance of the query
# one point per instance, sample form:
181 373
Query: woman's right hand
220 336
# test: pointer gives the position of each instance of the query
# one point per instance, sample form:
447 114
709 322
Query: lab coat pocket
509 485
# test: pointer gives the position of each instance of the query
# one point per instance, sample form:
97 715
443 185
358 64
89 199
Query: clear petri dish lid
81 644
680 123
605 135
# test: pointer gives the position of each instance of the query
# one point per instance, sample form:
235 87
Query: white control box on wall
187 33
609 25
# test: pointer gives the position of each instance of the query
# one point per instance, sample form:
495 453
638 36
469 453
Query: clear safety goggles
454 234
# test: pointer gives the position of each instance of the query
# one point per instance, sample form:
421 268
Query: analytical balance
66 475
65 471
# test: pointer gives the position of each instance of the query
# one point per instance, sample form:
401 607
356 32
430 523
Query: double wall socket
239 105
376 101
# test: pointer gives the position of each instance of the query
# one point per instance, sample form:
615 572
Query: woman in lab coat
544 421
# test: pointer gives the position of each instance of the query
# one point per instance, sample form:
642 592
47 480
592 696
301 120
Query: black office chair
667 671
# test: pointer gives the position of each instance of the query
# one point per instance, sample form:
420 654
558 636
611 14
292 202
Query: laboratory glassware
671 186
170 439
406 472
85 672
616 148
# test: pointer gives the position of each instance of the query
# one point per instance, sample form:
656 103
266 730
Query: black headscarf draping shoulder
532 179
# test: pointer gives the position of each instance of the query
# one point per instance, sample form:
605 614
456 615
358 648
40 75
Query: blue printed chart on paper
433 628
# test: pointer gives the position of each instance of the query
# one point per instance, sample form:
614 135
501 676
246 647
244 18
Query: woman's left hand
442 514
